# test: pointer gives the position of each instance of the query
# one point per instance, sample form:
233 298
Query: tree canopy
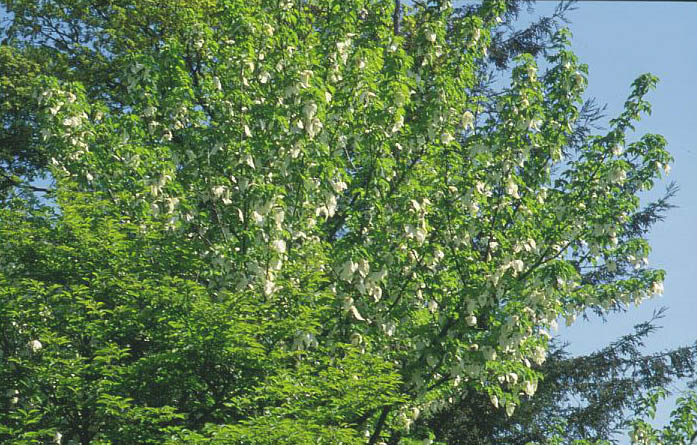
286 221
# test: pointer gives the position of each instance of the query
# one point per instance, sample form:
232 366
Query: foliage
594 397
280 222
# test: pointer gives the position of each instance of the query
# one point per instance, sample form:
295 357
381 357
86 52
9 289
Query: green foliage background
282 222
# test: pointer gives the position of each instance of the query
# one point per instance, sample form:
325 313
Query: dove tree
293 221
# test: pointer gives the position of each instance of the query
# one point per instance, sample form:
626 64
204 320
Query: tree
283 222
596 397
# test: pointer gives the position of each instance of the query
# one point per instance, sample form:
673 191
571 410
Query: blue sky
619 41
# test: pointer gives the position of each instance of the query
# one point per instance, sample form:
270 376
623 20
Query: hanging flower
471 320
432 306
431 36
529 388
347 270
657 288
249 160
309 110
357 315
398 125
468 120
446 138
494 400
512 188
35 345
279 246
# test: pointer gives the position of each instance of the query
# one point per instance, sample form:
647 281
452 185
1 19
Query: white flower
432 306
477 34
14 396
512 188
438 255
279 216
657 288
517 265
57 438
539 355
218 191
510 408
264 77
363 267
489 353
430 36
35 345
342 46
247 131
529 388
398 125
534 124
617 150
73 121
531 70
376 293
331 204
313 127
446 138
471 320
356 314
249 160
420 236
468 120
617 175
309 110
172 203
415 233
305 76
494 400
269 287
339 186
579 78
347 270
279 246
276 263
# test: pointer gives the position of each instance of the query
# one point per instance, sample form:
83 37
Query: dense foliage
298 221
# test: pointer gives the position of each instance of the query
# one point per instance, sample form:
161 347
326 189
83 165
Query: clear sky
619 41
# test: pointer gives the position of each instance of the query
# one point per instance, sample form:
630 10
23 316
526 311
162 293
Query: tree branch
395 17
